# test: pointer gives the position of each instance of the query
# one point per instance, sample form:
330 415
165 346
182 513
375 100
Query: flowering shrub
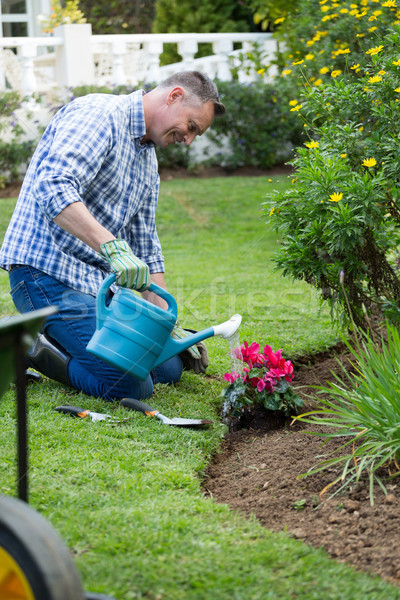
266 379
343 210
61 15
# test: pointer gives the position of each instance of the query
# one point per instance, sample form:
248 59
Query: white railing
76 57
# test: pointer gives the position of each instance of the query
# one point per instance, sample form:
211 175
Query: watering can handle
102 308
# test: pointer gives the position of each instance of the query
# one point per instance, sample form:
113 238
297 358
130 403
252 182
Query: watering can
134 335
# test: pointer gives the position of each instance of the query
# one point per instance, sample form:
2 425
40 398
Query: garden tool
134 335
75 411
152 412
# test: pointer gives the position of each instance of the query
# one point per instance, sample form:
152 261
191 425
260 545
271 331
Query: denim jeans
72 327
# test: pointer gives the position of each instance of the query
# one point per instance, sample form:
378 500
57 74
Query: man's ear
176 94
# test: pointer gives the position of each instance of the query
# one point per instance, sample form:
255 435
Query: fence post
187 49
154 49
222 48
74 60
28 84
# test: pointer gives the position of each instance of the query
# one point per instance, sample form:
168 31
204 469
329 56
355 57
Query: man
87 208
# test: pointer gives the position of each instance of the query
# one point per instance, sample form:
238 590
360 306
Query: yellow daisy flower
369 162
336 73
375 79
396 63
343 155
296 108
324 70
390 4
298 62
312 144
336 197
354 67
373 51
293 102
397 89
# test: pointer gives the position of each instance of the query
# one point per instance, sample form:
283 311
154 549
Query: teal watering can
134 335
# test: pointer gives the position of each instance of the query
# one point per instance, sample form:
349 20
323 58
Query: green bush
188 16
258 128
343 212
14 152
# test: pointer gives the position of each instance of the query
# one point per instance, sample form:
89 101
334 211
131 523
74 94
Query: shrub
258 128
342 212
14 152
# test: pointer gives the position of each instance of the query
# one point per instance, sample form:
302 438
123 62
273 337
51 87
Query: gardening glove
194 358
130 271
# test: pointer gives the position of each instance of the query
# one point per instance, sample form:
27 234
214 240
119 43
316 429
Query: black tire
33 557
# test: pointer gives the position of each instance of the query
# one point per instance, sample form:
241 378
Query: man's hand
130 271
194 358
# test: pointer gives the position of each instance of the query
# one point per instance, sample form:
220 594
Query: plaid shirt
90 152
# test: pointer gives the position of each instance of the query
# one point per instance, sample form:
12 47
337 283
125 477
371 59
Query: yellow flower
324 70
343 155
373 51
369 162
312 144
280 20
261 71
375 79
271 212
317 82
397 89
372 18
390 4
309 56
286 72
336 197
298 62
269 180
396 63
295 108
344 10
336 73
355 66
293 102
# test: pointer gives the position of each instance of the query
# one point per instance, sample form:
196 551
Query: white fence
73 56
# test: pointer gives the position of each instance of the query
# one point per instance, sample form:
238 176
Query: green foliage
258 129
365 412
268 14
119 16
343 212
14 152
322 39
188 16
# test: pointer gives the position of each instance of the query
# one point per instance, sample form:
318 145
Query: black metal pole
21 418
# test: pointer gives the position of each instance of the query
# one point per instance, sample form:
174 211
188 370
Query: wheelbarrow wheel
34 562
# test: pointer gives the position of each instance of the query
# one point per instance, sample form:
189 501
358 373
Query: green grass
127 500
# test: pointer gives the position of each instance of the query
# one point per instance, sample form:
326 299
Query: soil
257 472
257 469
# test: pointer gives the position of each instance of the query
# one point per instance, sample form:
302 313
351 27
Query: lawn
128 500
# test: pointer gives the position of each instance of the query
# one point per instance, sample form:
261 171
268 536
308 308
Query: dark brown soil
257 472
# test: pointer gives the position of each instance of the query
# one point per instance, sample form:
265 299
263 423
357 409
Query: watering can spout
173 347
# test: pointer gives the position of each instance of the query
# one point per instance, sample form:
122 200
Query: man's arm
77 220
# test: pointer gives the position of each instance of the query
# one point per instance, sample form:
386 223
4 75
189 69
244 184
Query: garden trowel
151 412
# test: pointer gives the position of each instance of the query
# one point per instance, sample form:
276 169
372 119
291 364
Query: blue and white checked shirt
90 152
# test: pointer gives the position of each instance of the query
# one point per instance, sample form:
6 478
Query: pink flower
231 377
275 358
249 354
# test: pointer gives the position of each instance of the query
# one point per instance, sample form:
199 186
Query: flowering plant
61 15
266 379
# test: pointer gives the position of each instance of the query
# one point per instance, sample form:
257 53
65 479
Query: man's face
182 121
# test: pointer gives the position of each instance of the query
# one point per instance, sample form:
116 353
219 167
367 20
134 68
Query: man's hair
199 85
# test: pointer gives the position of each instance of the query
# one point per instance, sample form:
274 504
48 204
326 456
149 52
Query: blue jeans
72 327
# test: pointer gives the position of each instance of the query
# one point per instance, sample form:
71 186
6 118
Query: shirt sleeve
77 144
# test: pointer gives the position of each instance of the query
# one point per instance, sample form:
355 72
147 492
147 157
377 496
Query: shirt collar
137 122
